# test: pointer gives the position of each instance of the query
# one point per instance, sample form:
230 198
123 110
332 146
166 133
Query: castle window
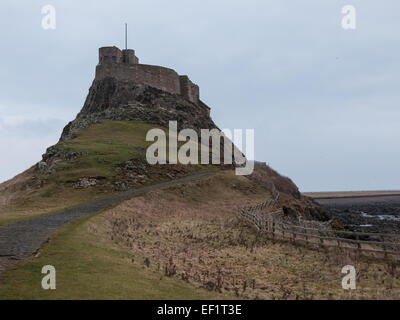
105 59
114 58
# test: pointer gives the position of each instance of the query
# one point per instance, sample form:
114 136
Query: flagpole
126 36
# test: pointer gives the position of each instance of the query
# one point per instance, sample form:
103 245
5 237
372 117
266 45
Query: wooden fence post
306 232
273 228
384 245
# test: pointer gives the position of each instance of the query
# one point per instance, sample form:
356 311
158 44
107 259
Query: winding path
22 239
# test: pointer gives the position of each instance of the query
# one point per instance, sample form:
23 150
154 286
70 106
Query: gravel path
22 239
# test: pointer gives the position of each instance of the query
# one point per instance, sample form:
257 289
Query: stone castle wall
124 65
189 90
158 77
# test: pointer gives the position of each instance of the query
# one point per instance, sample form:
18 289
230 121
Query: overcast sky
324 101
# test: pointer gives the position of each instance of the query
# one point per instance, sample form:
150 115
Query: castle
124 65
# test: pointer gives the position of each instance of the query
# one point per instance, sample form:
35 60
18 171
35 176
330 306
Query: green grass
90 267
103 146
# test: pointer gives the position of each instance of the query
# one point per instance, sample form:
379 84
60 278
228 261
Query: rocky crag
121 97
112 99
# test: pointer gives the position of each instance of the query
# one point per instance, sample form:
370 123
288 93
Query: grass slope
102 147
89 267
185 242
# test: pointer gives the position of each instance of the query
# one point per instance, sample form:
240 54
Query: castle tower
129 57
109 55
115 55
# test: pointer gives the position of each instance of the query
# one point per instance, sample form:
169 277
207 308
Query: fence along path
273 223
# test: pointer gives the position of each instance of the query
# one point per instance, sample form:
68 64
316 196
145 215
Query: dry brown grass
190 231
18 186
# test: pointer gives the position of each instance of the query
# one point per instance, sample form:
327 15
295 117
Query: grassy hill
179 242
100 152
185 242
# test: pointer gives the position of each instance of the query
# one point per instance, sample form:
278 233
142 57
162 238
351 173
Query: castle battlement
124 65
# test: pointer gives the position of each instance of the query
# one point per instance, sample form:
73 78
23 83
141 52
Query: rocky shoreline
365 214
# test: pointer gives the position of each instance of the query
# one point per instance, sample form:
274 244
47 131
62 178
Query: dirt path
20 240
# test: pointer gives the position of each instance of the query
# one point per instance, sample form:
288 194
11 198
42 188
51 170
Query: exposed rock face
85 183
53 155
120 100
112 99
304 208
